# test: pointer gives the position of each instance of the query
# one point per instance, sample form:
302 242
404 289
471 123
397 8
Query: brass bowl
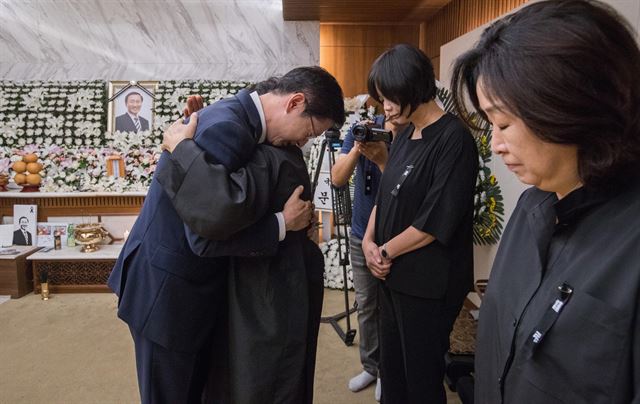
89 235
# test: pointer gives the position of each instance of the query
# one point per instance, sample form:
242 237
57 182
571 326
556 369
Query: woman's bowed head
564 100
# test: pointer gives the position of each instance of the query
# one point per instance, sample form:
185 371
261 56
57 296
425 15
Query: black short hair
570 70
264 86
404 75
126 99
23 217
321 90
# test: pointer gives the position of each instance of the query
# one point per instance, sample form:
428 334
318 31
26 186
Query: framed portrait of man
24 224
131 106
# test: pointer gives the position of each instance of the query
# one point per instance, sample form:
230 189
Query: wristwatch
383 251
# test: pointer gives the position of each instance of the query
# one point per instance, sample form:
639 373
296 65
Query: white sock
361 381
378 390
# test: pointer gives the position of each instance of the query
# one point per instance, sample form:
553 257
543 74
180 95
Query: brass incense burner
89 236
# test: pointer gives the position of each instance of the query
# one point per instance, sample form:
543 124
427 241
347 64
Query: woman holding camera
419 237
560 320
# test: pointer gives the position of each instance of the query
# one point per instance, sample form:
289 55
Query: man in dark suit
22 236
131 121
171 297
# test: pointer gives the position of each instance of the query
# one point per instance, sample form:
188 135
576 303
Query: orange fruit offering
20 179
30 158
19 166
34 168
34 179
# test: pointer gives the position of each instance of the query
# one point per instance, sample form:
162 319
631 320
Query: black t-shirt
429 184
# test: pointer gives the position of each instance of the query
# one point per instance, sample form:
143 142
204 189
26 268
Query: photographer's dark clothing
429 184
274 302
542 345
366 184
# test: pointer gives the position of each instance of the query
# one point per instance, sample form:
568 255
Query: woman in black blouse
419 237
560 320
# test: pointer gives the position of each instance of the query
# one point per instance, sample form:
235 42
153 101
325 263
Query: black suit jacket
275 289
18 238
124 123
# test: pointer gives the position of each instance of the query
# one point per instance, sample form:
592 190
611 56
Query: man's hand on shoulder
298 214
178 131
194 103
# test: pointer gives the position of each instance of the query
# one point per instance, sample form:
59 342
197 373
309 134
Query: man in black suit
22 236
131 121
170 297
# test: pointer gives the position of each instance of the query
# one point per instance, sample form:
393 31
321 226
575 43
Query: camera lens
360 133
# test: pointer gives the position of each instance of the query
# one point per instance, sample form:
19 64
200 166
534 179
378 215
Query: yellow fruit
34 168
20 179
30 158
34 179
19 166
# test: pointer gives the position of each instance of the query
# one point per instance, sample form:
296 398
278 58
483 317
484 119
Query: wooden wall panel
347 51
459 17
50 206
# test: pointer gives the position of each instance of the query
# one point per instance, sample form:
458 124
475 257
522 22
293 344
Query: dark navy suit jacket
124 123
166 292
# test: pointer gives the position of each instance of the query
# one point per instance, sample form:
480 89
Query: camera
333 138
364 133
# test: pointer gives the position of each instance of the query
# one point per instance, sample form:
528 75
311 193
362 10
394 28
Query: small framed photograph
115 165
131 106
47 233
24 224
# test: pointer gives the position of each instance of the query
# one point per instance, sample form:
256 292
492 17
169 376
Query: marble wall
151 40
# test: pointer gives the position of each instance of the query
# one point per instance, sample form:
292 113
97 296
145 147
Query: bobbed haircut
321 90
403 75
570 70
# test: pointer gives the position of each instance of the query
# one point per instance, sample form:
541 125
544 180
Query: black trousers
166 376
414 337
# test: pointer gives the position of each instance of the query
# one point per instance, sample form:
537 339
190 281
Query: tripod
341 209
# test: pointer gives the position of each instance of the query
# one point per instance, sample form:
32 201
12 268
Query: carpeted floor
463 336
73 349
